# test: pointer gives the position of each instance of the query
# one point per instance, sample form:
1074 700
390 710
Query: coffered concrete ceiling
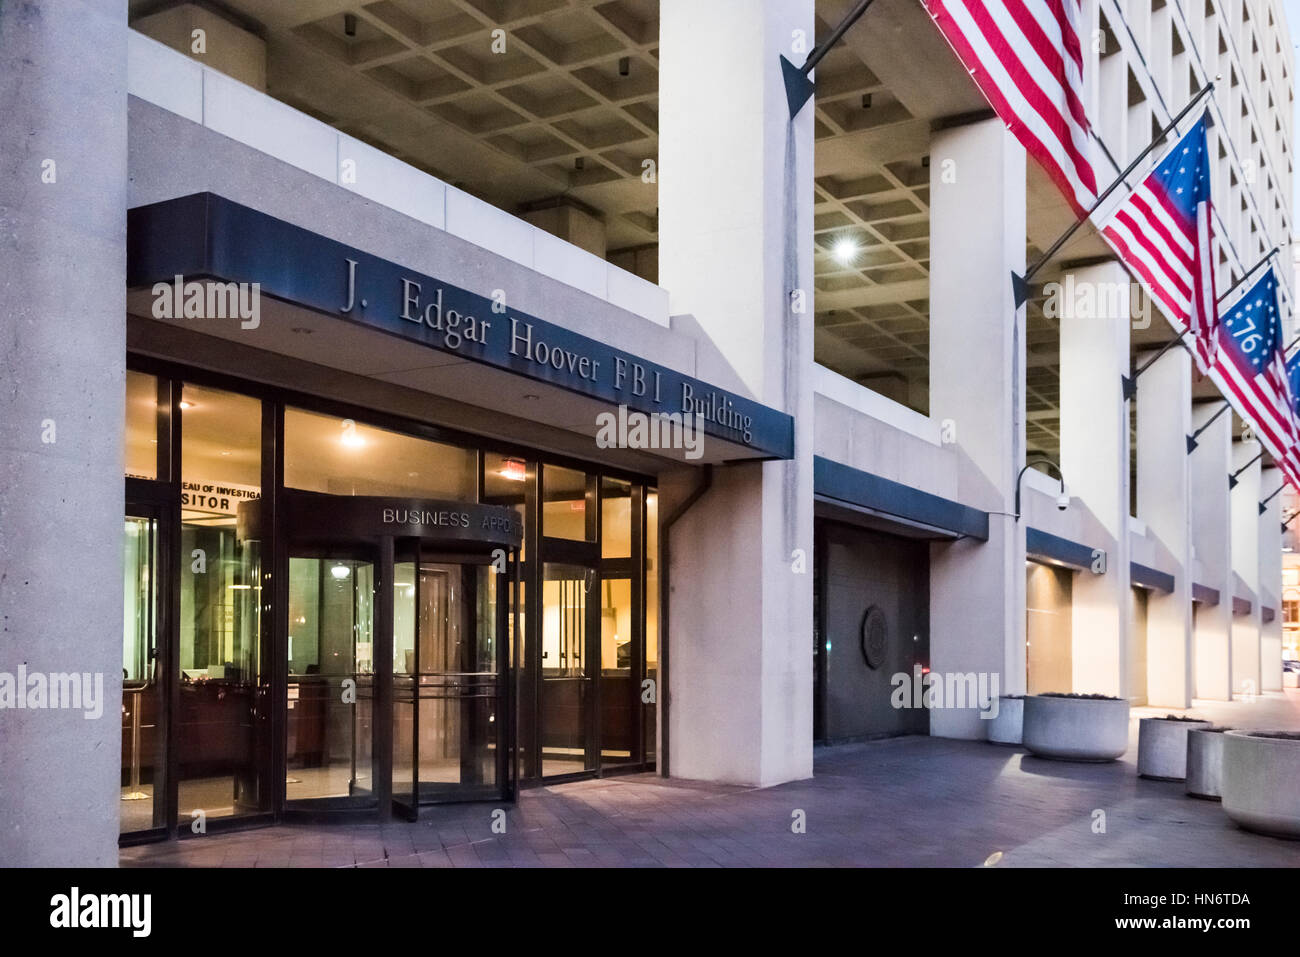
570 109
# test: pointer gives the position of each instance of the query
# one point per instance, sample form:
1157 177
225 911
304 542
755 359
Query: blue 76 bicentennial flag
1251 371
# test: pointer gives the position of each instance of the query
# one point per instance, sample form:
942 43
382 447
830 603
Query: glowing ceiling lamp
845 250
513 469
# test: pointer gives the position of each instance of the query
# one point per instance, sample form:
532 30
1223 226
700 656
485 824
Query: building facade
447 404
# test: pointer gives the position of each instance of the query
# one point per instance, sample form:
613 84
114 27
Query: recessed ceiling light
226 452
340 571
186 405
845 250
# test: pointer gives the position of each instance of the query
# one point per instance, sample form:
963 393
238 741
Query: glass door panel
568 669
143 788
460 720
330 728
405 717
619 693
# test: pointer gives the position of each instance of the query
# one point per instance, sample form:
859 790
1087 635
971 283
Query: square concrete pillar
1164 485
977 378
63 181
1211 462
1245 564
735 245
1095 460
1270 582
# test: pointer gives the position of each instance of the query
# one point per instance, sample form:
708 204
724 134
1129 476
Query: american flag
1164 232
1026 58
1251 371
1293 380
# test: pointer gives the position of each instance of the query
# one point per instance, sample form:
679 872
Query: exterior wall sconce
1062 500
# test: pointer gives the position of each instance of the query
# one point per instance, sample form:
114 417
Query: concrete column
1164 420
1245 563
1270 583
977 376
1094 458
735 192
1210 464
63 327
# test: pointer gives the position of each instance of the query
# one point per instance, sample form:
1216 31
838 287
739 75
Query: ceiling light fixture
340 571
845 250
513 469
186 405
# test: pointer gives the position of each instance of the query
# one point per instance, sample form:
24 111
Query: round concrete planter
1261 781
1076 729
1205 762
1162 747
1006 727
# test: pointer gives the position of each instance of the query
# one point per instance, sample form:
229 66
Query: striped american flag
1164 233
1251 371
1026 58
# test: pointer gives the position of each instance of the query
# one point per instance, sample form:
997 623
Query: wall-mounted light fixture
1062 500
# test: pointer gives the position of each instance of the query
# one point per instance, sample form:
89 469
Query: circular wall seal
875 637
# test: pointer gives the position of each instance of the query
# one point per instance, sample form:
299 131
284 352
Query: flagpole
1231 479
1236 285
1263 505
1021 283
1191 439
798 88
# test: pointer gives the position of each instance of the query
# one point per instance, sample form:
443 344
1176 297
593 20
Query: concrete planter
1162 747
1261 781
1205 763
1006 728
1076 729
